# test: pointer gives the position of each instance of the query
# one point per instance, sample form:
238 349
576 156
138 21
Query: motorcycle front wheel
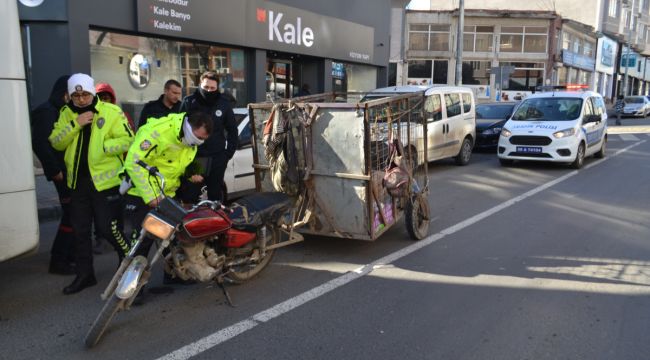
244 272
112 306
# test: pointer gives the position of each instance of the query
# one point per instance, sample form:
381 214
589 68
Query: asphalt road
534 261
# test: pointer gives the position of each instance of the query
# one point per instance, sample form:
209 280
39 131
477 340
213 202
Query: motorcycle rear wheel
112 306
242 273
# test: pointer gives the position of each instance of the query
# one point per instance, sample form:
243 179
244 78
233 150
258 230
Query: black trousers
213 175
105 208
134 212
63 246
214 180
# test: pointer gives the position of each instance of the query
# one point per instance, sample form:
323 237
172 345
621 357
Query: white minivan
451 119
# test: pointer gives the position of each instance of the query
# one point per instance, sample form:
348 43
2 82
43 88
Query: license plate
529 149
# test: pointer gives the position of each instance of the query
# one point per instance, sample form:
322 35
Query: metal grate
530 140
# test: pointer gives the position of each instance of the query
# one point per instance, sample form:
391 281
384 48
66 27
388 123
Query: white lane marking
232 331
628 137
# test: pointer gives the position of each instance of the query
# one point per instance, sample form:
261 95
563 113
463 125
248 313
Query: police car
557 126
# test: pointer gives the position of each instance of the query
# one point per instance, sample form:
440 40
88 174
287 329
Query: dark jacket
43 118
156 109
225 126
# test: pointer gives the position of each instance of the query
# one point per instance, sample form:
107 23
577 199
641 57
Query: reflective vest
158 143
110 138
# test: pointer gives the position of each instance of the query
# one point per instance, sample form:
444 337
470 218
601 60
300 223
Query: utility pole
627 52
459 42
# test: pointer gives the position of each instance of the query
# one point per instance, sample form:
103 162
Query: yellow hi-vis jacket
158 143
110 138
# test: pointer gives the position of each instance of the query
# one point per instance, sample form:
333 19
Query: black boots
80 282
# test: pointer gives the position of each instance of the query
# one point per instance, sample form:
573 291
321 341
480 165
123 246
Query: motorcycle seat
254 210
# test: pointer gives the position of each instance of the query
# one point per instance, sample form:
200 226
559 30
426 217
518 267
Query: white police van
556 126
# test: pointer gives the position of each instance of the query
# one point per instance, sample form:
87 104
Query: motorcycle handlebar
152 170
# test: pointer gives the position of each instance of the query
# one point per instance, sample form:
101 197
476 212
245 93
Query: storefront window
476 72
561 76
353 77
137 67
419 71
425 72
525 77
440 70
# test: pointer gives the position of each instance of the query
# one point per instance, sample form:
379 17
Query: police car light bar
567 87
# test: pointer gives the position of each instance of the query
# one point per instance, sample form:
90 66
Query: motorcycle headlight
157 226
505 132
564 133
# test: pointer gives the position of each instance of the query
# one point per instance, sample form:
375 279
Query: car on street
450 114
239 177
556 126
636 106
490 118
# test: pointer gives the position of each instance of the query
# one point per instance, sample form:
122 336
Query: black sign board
258 24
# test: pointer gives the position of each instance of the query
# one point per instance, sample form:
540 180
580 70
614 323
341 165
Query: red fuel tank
205 222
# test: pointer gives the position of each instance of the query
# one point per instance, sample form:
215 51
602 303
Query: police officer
214 154
94 136
43 119
170 144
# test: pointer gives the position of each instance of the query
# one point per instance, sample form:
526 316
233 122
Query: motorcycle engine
196 262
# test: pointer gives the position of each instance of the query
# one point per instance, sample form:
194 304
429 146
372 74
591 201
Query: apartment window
535 39
566 40
588 49
429 37
613 5
577 45
529 39
478 38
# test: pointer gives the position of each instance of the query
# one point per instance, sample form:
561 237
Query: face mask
189 138
209 96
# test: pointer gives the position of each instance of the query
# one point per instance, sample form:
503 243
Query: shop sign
579 61
259 24
606 55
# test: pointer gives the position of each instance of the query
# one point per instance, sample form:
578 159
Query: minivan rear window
452 101
433 107
467 103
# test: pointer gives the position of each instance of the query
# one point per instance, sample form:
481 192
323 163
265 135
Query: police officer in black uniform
220 147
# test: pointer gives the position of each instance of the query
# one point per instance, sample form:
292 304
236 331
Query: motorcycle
208 242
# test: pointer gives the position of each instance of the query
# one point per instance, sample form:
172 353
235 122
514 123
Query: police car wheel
580 157
601 153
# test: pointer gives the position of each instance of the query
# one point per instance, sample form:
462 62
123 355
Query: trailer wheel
417 216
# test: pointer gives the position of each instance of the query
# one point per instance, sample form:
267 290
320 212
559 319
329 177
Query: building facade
521 41
258 48
588 45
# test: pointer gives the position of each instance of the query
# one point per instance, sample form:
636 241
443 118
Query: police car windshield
549 109
634 100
